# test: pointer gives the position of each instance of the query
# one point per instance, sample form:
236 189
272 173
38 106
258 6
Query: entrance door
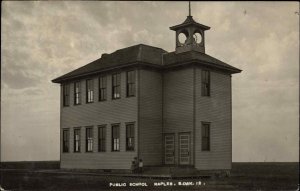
169 149
184 149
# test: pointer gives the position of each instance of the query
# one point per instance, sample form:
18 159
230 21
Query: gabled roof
171 59
188 22
137 54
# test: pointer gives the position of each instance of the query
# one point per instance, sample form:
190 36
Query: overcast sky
43 40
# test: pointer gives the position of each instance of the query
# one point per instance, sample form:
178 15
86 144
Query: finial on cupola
189 8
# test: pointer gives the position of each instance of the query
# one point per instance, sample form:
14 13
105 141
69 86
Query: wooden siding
100 113
150 117
215 109
178 105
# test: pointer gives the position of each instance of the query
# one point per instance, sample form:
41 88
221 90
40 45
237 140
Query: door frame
190 150
164 148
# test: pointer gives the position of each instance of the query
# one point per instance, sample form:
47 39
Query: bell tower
190 35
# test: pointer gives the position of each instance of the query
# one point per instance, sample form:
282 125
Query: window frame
77 94
79 140
89 140
113 142
67 142
66 95
130 136
205 83
130 83
117 86
102 88
102 138
89 99
206 135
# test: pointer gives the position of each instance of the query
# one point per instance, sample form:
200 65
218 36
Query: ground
244 176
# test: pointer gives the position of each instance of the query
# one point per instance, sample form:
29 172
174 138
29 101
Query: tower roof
189 21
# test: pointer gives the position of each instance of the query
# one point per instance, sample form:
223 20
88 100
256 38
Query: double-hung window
130 83
65 140
66 95
130 137
89 139
102 88
116 86
205 82
205 132
76 140
89 91
77 93
101 137
115 137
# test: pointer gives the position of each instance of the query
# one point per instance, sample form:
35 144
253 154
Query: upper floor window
205 132
205 82
89 139
130 137
65 140
76 140
115 137
66 95
77 93
102 88
116 86
130 83
102 138
89 91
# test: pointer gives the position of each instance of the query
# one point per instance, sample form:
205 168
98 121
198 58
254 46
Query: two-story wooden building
166 108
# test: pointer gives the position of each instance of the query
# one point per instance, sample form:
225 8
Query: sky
41 40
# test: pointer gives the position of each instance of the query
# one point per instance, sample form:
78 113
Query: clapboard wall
99 113
150 117
178 105
215 109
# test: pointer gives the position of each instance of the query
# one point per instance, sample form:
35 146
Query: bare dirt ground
244 176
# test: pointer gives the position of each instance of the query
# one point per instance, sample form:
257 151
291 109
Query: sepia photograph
149 95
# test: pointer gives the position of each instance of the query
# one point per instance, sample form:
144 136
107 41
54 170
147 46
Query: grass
244 176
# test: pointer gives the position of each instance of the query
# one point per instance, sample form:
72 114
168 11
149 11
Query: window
130 83
115 138
66 95
89 91
116 86
205 81
65 140
76 140
205 132
102 88
89 139
101 136
130 137
77 93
